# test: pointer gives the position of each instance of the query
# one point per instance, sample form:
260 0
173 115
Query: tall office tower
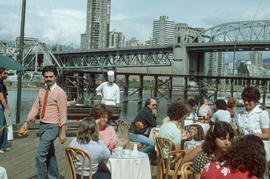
98 23
256 58
117 39
163 31
214 63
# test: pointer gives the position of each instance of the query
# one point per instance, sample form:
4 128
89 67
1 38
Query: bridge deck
20 161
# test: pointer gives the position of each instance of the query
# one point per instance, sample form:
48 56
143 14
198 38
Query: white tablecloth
267 149
3 173
205 126
192 144
136 166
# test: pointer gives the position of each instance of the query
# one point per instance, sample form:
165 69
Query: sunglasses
154 104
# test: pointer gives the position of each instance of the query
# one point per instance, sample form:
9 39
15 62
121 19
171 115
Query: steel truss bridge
233 36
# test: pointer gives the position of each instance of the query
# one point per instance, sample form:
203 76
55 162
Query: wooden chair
186 170
155 135
124 131
75 154
169 160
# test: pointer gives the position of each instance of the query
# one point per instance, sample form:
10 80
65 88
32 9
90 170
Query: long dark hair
246 154
87 131
219 129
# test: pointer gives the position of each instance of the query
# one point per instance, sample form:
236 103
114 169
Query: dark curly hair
251 94
50 68
219 129
87 131
177 110
99 110
221 104
247 153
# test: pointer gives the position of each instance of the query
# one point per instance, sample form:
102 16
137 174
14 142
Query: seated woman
177 112
217 141
254 120
205 110
245 158
193 115
221 113
88 139
107 133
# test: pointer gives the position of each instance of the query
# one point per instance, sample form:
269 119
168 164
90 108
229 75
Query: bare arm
265 134
4 103
62 135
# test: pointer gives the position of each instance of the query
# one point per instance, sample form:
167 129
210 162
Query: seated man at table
177 112
221 113
145 120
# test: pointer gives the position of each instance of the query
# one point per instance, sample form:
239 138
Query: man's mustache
48 81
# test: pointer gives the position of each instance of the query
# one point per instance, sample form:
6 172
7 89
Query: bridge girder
238 31
119 59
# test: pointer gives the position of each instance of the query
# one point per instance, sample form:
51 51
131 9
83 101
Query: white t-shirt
204 110
254 122
111 93
222 115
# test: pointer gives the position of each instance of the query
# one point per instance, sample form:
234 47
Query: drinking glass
192 131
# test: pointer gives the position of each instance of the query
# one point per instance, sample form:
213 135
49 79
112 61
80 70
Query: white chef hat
110 76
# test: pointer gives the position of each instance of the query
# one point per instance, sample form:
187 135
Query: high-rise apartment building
117 39
163 31
97 24
214 63
256 58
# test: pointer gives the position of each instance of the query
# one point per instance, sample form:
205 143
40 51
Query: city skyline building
133 42
116 39
256 58
163 30
97 24
214 63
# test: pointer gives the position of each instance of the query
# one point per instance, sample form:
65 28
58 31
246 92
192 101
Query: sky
62 21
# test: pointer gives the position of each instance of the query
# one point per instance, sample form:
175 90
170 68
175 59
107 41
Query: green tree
243 70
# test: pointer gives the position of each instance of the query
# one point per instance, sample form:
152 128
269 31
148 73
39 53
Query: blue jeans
150 144
3 133
45 155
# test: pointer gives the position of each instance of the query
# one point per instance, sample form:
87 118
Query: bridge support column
185 88
126 87
180 63
170 89
92 86
156 86
140 93
232 84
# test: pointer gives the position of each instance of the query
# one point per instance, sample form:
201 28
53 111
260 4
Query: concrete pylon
180 64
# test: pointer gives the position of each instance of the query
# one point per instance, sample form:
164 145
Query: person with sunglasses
143 122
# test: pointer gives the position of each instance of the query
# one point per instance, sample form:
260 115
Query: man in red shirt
51 104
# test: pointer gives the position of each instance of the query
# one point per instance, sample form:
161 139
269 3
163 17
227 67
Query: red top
215 170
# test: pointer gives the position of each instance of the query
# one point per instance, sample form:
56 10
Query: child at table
218 140
88 139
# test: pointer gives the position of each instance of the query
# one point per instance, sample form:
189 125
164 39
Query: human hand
154 111
62 138
9 113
